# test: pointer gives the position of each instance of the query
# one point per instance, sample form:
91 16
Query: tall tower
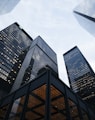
38 58
22 59
85 15
14 44
80 74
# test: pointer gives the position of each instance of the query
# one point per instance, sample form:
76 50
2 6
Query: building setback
80 74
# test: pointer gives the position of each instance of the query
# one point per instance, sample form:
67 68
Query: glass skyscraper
22 58
14 43
80 74
44 98
38 58
85 15
36 92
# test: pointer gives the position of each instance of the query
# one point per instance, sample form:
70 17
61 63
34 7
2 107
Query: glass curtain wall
17 108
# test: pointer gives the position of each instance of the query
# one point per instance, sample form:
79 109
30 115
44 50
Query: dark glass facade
43 56
14 44
80 74
36 92
44 98
39 57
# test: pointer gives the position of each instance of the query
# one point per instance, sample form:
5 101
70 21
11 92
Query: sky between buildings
55 22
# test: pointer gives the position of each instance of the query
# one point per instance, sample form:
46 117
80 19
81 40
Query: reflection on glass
36 104
41 59
14 44
42 55
3 111
58 110
73 110
76 64
45 48
80 73
17 109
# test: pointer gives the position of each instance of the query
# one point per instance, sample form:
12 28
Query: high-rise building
84 13
39 57
37 93
14 44
80 74
22 58
44 98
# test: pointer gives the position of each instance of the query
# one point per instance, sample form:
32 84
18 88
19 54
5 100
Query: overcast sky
55 22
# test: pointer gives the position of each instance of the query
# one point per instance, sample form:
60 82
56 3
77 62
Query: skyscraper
14 43
37 93
22 58
85 15
80 74
44 98
39 56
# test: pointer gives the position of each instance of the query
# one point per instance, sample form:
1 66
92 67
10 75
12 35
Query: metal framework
44 98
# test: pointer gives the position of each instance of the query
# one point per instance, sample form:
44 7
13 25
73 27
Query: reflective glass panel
17 109
42 44
41 59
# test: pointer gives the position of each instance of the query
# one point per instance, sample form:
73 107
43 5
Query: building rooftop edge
20 29
70 50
